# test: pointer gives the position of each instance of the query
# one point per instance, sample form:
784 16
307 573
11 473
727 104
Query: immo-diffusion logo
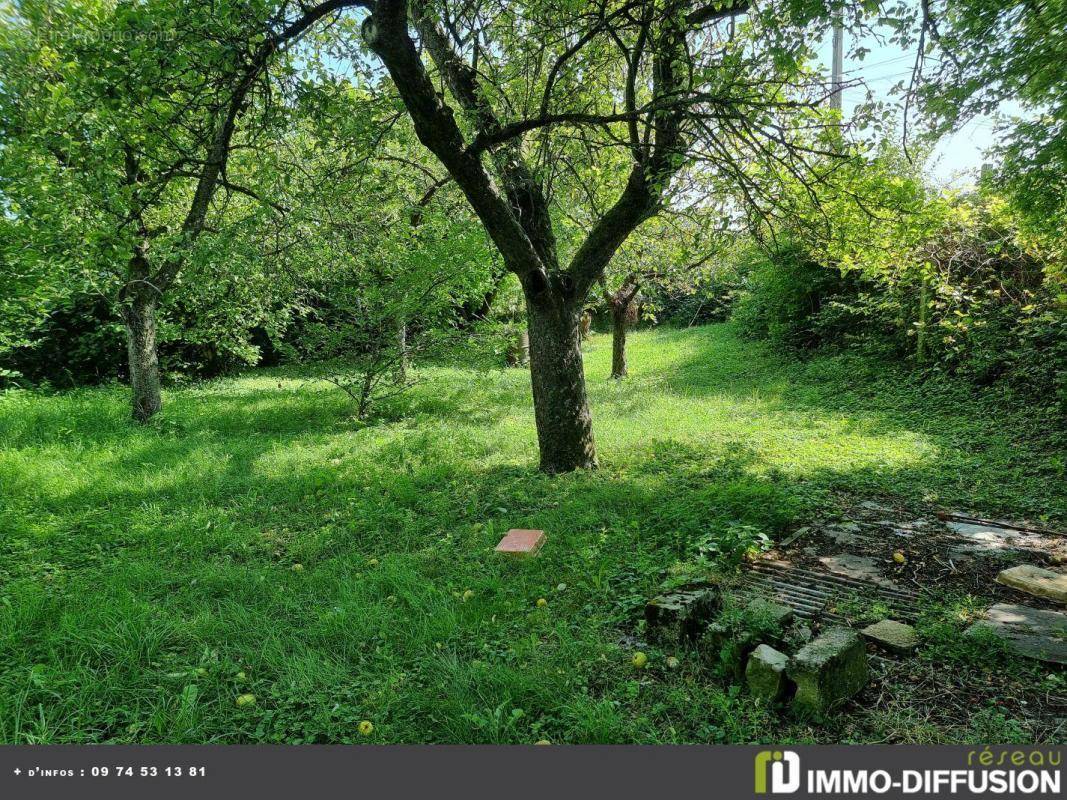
784 771
1020 771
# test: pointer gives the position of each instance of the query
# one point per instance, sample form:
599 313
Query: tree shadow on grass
342 629
176 548
267 450
991 452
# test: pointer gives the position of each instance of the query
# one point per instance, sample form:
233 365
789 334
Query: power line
864 65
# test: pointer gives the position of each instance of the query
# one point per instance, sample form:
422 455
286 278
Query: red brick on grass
520 543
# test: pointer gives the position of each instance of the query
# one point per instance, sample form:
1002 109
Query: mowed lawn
148 576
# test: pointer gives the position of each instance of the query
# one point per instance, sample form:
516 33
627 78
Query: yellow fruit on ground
640 660
672 662
366 727
541 602
467 595
372 562
542 741
246 700
899 557
298 567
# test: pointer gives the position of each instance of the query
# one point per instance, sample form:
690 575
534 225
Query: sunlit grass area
258 539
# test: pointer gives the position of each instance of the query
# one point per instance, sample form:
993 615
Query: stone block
1030 632
767 614
679 616
858 568
765 673
797 635
828 670
724 649
896 637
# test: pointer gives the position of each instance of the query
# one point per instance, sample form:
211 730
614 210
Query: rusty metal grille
813 594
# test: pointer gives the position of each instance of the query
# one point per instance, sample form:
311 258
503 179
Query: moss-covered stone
765 673
896 637
680 616
723 648
725 644
767 618
828 671
796 636
711 640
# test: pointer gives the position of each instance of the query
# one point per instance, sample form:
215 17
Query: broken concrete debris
679 616
767 615
800 651
1029 632
861 568
749 639
797 635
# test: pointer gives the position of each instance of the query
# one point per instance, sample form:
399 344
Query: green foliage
991 51
792 299
78 342
137 562
954 284
731 544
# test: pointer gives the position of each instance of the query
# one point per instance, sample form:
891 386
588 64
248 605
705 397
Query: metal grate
810 594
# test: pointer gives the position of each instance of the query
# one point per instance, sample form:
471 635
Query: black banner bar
538 773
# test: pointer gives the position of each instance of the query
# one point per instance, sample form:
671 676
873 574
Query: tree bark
403 354
519 350
517 219
139 317
561 410
620 317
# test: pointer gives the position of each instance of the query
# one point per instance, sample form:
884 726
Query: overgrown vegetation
148 576
943 284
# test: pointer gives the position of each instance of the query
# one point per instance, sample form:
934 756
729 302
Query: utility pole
838 63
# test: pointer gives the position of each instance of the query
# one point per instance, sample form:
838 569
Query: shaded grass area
147 574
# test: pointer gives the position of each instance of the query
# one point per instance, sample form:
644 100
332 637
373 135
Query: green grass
142 569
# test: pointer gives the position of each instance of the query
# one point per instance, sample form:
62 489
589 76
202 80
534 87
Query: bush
793 300
971 298
81 342
78 342
991 309
710 301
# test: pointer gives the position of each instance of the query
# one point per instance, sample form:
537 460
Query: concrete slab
1037 581
1030 632
896 637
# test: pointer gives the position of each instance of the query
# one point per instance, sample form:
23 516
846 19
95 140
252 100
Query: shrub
972 297
792 299
78 342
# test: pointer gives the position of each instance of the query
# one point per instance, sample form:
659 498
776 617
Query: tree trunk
561 411
620 317
403 355
518 354
139 317
920 334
